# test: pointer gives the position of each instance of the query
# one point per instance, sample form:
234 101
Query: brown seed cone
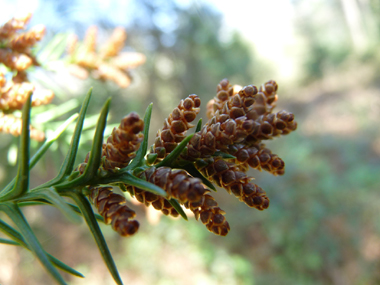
176 182
123 142
176 125
14 60
115 43
128 60
211 215
28 39
271 125
10 27
258 157
12 125
13 96
228 176
113 208
109 72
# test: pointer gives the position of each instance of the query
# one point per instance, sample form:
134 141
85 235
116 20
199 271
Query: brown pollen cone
176 182
211 215
106 63
241 103
90 39
218 134
113 208
228 176
28 39
266 99
13 96
158 202
14 60
258 157
176 125
106 71
3 81
232 100
128 60
224 92
124 141
230 123
271 125
16 23
115 43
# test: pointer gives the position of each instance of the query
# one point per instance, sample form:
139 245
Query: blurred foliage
335 34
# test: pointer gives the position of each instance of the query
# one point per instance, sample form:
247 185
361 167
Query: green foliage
68 183
18 193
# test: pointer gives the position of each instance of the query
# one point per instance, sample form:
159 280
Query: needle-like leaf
53 49
18 218
59 131
199 125
88 215
22 179
96 150
170 159
193 171
40 202
130 179
140 154
42 150
178 208
8 241
17 239
53 112
52 196
68 163
223 155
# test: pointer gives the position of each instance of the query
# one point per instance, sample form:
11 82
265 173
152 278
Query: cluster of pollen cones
106 62
225 148
16 55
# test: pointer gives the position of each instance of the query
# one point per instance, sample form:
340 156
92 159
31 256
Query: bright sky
268 25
